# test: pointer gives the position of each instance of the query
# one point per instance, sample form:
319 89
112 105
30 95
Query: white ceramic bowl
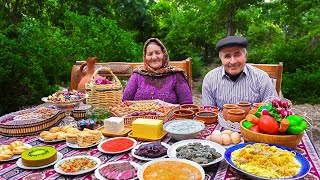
144 166
183 129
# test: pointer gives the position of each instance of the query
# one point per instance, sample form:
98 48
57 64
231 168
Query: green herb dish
98 114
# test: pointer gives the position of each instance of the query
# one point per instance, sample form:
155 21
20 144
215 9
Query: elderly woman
157 79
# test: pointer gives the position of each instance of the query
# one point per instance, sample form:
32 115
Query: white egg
229 132
226 140
216 132
235 138
216 139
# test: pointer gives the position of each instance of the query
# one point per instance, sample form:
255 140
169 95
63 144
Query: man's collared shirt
253 85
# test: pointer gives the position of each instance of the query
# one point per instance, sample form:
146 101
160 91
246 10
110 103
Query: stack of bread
14 148
83 138
56 133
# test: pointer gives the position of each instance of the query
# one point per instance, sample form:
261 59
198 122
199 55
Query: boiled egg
229 132
216 138
226 140
216 132
235 138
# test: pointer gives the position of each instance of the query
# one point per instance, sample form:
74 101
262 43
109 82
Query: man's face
233 59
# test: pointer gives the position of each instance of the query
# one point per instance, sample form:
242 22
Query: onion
289 112
265 112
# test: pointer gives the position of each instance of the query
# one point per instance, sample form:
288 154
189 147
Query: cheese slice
114 125
147 128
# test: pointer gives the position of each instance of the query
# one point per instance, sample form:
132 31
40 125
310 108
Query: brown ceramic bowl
290 141
236 115
257 105
183 114
209 108
208 117
192 107
226 107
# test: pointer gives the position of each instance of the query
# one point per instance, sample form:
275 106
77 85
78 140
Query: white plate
101 150
20 165
17 156
76 146
147 158
99 176
58 170
220 149
144 166
227 146
55 140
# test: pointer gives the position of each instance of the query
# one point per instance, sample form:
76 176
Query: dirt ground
310 112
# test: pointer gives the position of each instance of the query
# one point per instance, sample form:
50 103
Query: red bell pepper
255 128
268 125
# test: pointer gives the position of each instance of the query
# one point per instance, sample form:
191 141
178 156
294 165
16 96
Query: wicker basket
104 95
128 120
31 129
290 141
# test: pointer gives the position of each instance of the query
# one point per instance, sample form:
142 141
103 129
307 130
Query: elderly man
235 80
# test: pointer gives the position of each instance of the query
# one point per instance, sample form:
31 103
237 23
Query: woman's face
233 59
154 56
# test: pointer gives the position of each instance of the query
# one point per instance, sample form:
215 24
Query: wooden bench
125 69
274 71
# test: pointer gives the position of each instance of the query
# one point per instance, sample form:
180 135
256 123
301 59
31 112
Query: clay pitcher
90 66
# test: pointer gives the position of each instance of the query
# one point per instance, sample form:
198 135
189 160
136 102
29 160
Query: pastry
4 147
19 149
66 128
73 131
71 138
16 143
54 129
5 154
39 156
61 135
43 133
86 139
50 136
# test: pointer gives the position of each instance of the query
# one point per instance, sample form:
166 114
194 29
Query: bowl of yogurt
183 129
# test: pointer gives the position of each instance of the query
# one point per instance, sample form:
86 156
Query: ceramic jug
90 70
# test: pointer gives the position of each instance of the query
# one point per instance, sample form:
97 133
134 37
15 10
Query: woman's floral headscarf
166 68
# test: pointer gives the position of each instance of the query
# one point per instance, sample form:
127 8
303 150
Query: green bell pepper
247 124
297 124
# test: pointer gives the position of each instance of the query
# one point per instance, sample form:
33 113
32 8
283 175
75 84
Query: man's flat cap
231 41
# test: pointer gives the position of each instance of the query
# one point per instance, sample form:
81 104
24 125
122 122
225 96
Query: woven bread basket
104 95
290 141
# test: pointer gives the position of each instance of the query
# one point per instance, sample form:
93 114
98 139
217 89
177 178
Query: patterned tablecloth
219 171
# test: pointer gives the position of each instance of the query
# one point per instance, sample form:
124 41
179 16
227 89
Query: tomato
268 125
255 128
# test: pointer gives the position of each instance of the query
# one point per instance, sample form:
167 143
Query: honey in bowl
168 170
